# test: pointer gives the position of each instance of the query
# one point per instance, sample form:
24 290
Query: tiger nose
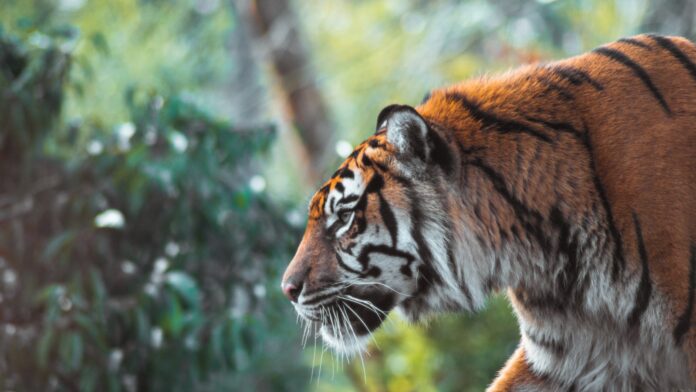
291 290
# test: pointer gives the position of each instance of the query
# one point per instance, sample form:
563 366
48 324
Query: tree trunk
276 30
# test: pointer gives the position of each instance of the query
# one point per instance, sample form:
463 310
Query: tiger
569 185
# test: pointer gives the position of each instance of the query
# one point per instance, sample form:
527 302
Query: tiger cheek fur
572 185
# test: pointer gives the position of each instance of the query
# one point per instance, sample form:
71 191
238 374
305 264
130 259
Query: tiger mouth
346 322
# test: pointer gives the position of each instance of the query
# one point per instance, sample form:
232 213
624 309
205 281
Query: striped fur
572 185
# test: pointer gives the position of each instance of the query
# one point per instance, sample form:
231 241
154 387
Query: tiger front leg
518 376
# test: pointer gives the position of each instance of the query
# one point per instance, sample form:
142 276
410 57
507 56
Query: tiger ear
407 131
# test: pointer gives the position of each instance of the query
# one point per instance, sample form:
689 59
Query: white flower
95 147
259 290
110 218
257 184
156 337
179 141
128 267
10 329
171 249
294 218
9 277
343 148
124 133
161 265
70 5
115 358
65 303
150 289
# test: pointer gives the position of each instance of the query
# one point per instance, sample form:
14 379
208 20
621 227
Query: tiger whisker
305 333
365 325
342 307
359 283
314 353
338 334
366 303
321 357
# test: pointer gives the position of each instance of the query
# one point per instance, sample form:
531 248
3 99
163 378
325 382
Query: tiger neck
528 216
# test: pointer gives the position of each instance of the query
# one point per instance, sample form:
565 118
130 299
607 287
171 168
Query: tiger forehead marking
349 181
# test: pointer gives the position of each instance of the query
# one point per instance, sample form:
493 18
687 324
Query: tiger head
377 235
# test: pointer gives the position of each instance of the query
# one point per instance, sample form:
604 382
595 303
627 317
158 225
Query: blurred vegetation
145 258
145 220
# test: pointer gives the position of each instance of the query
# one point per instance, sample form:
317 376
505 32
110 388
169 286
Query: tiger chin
569 185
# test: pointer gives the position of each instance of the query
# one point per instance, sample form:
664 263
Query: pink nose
291 291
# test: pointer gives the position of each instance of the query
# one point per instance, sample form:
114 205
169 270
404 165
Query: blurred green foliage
147 263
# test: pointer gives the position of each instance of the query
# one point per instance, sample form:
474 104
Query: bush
147 262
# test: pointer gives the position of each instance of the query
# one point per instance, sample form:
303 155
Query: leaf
173 320
183 284
88 379
71 350
142 323
216 343
58 244
92 330
44 347
100 43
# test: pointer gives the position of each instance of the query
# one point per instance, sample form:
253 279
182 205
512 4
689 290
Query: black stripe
384 170
426 98
637 70
346 266
556 126
416 233
491 120
364 256
635 42
464 153
685 319
540 303
676 52
375 185
570 284
324 190
389 219
440 152
469 150
366 161
530 219
644 287
348 199
346 173
339 187
374 143
427 276
332 205
546 343
619 261
575 76
560 90
462 285
532 164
